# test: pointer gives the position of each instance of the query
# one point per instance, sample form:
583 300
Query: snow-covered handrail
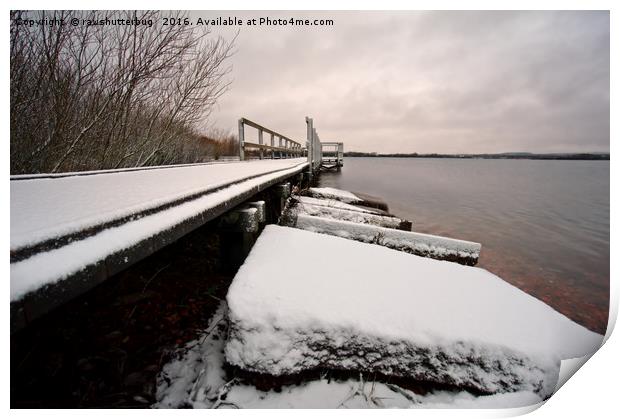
286 147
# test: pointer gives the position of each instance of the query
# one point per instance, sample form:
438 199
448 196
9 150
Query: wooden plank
268 147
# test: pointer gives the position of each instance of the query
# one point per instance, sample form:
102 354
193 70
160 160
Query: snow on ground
196 378
417 243
369 308
46 208
54 265
359 394
337 194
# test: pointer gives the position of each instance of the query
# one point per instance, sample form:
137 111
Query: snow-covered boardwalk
94 224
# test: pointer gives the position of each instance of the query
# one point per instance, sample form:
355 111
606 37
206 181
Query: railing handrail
260 127
290 146
313 149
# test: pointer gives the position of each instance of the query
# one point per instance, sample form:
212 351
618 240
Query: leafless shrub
98 97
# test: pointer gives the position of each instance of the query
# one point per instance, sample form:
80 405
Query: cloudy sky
446 82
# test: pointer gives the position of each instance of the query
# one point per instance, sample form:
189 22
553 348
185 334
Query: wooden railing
285 148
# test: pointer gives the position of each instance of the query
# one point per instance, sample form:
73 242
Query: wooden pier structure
72 231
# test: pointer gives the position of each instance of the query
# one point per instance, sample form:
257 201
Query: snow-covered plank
427 245
47 208
289 217
47 279
375 309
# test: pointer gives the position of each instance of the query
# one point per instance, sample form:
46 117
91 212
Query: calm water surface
543 225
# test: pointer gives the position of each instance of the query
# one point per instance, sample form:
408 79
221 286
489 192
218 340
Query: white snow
342 214
358 394
408 241
45 208
225 160
337 194
52 266
375 309
196 378
332 203
197 375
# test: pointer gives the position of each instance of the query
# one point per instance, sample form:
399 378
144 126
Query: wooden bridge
71 231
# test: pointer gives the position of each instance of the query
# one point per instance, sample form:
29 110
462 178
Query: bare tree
96 97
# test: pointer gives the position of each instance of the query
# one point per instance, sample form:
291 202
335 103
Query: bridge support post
261 212
238 231
282 191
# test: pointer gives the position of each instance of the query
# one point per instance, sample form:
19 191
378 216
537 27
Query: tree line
91 97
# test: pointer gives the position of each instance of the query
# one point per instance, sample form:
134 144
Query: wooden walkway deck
69 232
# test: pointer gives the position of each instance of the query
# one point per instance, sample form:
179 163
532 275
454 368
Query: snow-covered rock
363 307
337 194
427 245
196 378
332 203
296 207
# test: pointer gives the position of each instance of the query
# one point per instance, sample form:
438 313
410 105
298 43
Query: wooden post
241 140
272 152
280 145
260 141
309 139
316 148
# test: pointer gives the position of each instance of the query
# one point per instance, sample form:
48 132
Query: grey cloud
428 81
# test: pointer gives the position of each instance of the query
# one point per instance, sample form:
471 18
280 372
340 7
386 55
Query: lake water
543 225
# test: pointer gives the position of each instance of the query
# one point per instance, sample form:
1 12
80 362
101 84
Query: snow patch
337 194
332 203
417 243
358 217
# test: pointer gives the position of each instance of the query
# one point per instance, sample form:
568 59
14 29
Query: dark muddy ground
105 348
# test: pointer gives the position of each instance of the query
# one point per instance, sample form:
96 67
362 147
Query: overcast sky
446 82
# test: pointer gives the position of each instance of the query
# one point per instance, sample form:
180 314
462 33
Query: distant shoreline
511 156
